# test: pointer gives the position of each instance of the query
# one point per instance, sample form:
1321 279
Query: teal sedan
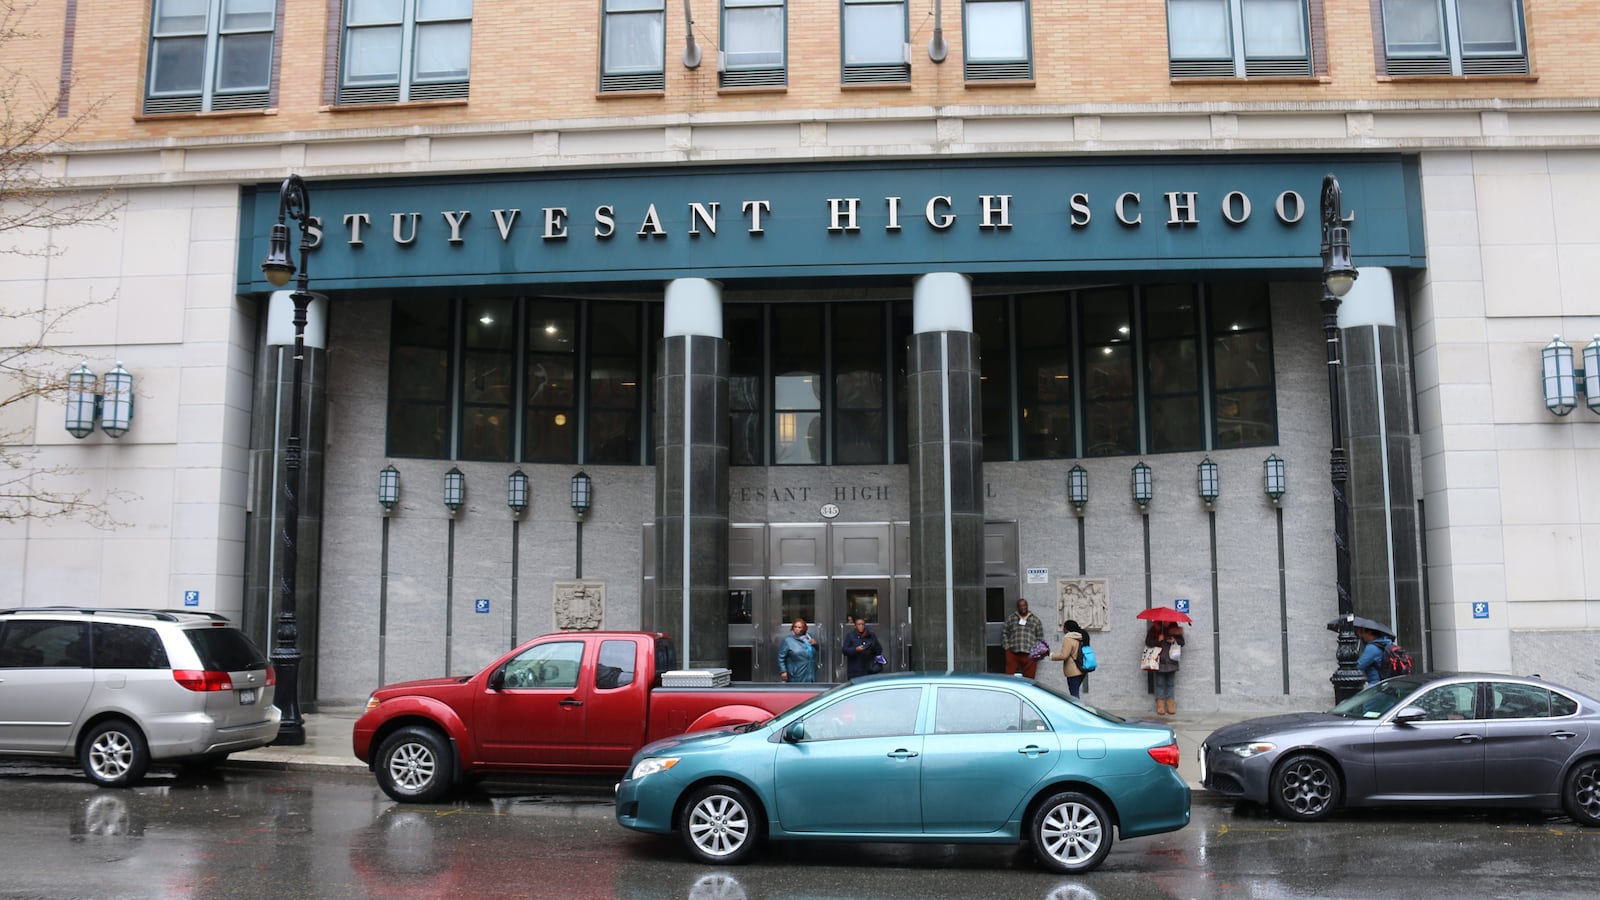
934 758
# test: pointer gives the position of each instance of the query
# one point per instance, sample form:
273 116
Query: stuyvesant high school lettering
838 215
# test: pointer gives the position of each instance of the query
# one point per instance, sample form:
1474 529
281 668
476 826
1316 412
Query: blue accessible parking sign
481 605
1181 604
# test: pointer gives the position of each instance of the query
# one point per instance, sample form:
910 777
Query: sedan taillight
1167 755
196 680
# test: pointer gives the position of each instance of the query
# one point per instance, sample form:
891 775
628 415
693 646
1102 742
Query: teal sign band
1049 217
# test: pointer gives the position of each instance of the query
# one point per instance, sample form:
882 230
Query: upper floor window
634 46
876 42
208 55
404 50
998 44
1454 37
1238 38
753 43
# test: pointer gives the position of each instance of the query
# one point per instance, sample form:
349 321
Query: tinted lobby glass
1106 371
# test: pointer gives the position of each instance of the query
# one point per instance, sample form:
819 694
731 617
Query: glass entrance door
805 599
873 600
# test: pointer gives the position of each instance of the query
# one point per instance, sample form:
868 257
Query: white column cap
280 320
694 306
941 301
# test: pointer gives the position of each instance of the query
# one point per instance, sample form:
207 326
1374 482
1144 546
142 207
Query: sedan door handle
571 702
1563 735
1468 738
902 754
1033 750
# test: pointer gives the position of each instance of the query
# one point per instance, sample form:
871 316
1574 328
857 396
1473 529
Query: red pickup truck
573 703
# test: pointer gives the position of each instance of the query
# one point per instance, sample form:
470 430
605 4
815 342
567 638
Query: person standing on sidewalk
1166 636
797 655
1021 633
1072 639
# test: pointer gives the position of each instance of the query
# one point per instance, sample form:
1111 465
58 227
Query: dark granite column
945 442
691 530
1385 535
269 430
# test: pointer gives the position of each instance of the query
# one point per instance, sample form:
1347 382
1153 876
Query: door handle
1033 750
1468 738
571 702
902 754
1563 735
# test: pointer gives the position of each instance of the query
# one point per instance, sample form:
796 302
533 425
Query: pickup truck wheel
719 824
414 765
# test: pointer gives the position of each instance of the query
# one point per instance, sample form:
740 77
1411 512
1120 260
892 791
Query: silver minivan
119 689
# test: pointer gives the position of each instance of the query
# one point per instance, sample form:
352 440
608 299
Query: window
210 55
1044 379
890 712
978 711
404 50
551 426
997 41
1451 703
876 48
419 379
1238 38
753 43
1453 37
1246 406
797 385
44 645
546 666
859 429
1110 391
615 362
991 321
745 330
616 665
1173 413
488 379
128 647
634 46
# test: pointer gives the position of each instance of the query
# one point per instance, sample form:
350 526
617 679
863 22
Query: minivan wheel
413 765
1071 833
719 824
114 754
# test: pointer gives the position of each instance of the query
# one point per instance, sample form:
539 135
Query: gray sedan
1447 738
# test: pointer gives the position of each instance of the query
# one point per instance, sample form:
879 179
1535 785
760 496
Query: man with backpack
1380 656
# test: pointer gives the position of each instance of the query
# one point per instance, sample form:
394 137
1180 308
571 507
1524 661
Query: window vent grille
649 81
155 106
1201 68
356 96
447 90
258 100
1429 66
890 74
996 71
1268 68
1495 65
755 78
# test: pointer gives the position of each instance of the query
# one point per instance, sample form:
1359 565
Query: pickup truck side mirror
1409 714
795 733
497 679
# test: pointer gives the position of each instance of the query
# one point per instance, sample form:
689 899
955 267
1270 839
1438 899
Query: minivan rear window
225 649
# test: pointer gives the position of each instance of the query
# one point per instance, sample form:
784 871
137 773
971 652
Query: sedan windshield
1377 699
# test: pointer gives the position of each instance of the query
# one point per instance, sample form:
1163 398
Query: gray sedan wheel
1304 787
114 754
413 765
1071 833
1582 796
720 824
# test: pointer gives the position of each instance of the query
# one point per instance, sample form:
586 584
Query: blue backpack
1086 661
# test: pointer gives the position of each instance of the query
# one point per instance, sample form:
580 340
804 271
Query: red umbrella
1165 614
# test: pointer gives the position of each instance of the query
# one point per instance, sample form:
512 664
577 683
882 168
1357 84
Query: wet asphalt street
254 833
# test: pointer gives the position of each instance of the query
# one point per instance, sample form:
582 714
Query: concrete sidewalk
327 746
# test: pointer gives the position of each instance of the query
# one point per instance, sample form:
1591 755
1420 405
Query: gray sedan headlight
1249 748
652 765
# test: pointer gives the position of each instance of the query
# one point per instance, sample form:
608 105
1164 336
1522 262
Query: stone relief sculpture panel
580 605
1088 600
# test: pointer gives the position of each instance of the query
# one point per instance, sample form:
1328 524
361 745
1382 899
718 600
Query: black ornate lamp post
1338 275
278 267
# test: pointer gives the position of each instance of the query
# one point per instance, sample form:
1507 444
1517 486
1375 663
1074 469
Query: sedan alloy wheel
1071 833
1582 796
719 824
1305 787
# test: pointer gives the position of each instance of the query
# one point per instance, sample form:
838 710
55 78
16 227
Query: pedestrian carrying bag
877 664
1174 651
1150 660
1395 661
1086 661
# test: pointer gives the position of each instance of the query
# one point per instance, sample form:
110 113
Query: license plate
247 696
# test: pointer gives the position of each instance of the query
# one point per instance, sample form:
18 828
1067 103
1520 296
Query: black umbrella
1361 622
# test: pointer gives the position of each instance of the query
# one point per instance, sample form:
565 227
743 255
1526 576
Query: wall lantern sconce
517 492
112 404
1562 381
388 488
1276 477
1078 487
1210 485
455 489
582 493
1143 489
